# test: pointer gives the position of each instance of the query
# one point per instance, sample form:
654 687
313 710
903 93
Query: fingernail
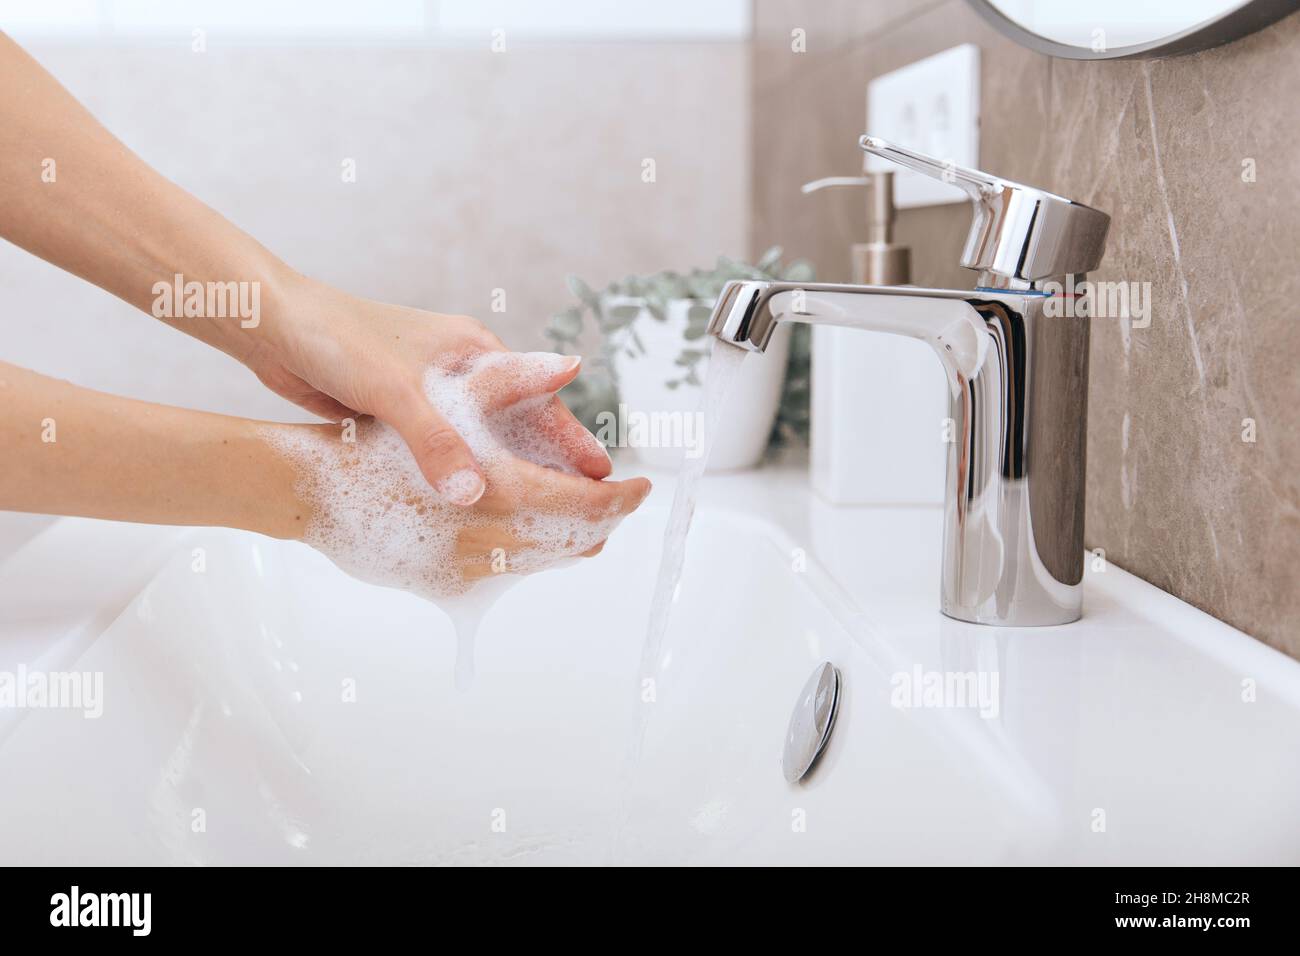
464 487
554 363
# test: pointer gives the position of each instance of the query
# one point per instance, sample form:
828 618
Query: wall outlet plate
931 106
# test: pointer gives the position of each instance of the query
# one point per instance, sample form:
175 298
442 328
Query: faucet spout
747 314
1016 429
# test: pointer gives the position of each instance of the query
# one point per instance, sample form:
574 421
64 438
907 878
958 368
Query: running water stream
724 365
724 362
467 611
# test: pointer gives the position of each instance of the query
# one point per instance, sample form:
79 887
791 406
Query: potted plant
647 381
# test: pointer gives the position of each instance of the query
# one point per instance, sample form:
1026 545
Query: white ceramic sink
304 717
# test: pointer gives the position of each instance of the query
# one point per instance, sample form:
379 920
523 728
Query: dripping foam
376 517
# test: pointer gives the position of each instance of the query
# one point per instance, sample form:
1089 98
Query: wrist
263 483
273 296
239 309
296 315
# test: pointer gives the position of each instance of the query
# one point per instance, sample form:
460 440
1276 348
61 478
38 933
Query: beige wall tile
475 171
1174 494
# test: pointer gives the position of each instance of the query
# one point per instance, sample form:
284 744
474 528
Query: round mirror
1125 29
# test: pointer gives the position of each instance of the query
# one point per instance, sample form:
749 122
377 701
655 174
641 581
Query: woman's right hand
340 356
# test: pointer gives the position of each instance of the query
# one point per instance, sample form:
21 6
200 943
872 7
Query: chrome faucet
1016 356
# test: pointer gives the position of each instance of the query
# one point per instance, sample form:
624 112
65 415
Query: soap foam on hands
375 516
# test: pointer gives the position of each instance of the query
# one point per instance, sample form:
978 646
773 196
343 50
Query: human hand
334 354
370 511
338 356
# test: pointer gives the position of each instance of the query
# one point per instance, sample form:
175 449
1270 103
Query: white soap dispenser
879 401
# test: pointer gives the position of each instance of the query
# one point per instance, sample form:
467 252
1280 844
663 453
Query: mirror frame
1246 18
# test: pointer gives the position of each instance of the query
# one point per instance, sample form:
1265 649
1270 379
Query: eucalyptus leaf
566 325
582 291
623 314
768 260
800 271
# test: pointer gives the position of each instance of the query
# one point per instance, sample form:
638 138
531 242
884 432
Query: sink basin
259 706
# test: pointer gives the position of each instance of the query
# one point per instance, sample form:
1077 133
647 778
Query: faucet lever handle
1020 234
974 182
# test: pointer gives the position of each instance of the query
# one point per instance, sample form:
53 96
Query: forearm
77 197
72 451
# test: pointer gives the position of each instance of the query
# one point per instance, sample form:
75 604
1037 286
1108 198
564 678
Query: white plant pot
747 417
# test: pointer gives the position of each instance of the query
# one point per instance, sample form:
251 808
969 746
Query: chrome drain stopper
812 721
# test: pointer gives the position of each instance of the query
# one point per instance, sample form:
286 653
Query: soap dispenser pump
879 260
854 371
